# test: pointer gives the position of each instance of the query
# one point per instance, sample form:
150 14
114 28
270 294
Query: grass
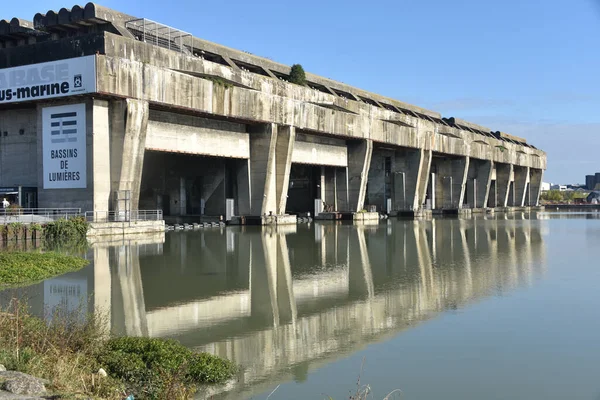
18 268
69 349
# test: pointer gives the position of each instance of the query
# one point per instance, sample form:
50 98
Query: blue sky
530 68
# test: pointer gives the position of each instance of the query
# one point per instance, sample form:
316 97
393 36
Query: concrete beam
359 162
128 127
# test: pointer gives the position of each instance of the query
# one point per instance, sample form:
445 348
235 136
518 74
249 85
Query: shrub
153 368
297 75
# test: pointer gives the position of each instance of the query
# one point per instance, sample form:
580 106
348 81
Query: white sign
63 147
64 296
48 80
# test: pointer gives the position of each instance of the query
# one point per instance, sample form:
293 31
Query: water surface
496 307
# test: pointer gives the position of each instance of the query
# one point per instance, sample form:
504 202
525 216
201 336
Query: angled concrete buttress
504 174
286 136
521 185
451 177
425 157
271 148
535 178
128 127
478 183
359 162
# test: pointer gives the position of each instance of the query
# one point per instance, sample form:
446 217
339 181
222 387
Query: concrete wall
18 147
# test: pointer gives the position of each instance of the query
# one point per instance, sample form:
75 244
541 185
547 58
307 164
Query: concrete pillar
432 190
341 188
271 148
520 186
483 184
100 155
411 169
424 170
478 183
263 194
535 186
504 173
460 168
286 136
450 182
359 162
128 127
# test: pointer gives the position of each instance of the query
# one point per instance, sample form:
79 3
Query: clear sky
527 67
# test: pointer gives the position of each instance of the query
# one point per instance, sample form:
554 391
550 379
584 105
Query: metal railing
124 216
161 35
37 215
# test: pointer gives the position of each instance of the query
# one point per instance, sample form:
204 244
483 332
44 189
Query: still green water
496 307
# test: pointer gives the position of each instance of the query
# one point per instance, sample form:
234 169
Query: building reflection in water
283 301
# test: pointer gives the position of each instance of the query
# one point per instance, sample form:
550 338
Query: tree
552 195
297 75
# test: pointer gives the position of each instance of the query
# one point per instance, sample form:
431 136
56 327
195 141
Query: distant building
592 182
546 186
560 188
594 197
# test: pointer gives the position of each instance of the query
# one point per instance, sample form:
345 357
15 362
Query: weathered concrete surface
359 155
18 147
521 186
287 104
286 137
194 135
124 228
129 122
504 177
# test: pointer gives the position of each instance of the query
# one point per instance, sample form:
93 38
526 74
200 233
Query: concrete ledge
140 238
284 219
365 216
124 228
328 216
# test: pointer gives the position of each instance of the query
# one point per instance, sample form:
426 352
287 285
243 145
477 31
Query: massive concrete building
101 110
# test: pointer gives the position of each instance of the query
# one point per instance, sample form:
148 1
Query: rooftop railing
124 216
